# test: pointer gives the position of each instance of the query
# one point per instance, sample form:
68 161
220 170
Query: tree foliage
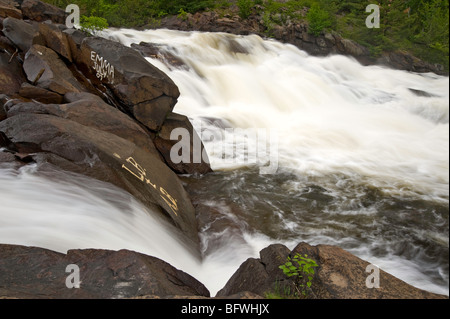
418 26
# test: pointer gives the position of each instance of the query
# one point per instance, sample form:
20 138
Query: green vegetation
417 26
319 19
302 269
93 25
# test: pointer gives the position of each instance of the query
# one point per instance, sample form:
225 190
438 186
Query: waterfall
362 155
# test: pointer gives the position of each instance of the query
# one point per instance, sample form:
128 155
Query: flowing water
361 161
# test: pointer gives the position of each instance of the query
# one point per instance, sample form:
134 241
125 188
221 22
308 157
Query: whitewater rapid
343 131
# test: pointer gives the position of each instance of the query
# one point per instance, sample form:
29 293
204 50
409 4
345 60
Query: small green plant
183 15
93 25
302 268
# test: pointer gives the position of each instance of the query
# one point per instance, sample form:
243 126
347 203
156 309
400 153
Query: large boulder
56 40
45 69
90 110
144 91
339 275
40 11
36 273
19 32
107 157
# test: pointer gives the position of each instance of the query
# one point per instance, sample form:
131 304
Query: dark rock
3 100
39 94
56 40
7 158
19 32
11 74
405 61
7 45
422 93
6 143
354 49
36 273
75 38
153 113
198 163
46 70
90 110
339 275
7 9
258 276
133 80
109 158
40 11
155 51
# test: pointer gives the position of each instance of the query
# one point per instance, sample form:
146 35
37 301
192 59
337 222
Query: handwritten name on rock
102 67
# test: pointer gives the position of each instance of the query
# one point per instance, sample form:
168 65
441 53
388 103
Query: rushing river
361 158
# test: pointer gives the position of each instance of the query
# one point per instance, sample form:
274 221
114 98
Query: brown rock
40 11
144 91
7 9
352 48
405 61
153 113
197 163
11 74
90 110
3 100
46 70
56 40
258 275
36 273
38 94
6 44
339 275
109 158
75 38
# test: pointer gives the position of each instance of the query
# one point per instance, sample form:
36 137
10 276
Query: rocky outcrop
339 275
92 106
36 273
